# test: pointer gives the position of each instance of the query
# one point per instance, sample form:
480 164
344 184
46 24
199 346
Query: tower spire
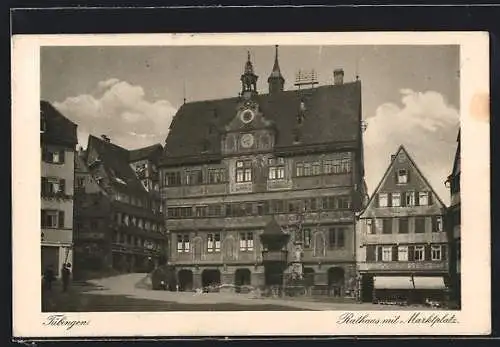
276 81
248 79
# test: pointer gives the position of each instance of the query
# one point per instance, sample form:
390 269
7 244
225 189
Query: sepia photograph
257 176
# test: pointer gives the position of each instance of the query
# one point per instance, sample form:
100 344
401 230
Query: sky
410 94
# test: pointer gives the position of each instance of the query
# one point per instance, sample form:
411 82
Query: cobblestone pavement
136 286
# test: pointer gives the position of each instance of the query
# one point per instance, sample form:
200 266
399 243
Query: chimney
105 138
338 76
393 156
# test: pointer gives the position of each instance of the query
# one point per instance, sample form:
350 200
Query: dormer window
402 176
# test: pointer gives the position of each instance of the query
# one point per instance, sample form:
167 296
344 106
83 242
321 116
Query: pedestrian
48 277
66 274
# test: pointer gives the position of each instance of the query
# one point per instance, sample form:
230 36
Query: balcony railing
280 256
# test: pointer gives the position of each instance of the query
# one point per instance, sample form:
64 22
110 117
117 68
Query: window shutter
43 185
61 156
370 253
61 219
408 176
395 176
62 186
43 219
389 199
430 198
427 252
411 253
444 250
394 253
379 253
403 199
44 154
417 201
434 224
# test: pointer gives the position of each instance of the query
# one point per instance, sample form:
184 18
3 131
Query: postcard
251 184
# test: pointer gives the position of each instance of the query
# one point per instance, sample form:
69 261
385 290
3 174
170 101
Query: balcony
403 266
274 256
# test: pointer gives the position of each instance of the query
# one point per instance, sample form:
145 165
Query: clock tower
248 80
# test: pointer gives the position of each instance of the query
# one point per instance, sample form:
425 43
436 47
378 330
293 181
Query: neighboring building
453 225
402 251
58 142
233 167
118 215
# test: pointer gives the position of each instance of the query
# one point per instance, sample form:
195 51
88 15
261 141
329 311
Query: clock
247 140
247 116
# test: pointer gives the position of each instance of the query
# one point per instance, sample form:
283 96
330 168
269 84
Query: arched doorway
210 277
336 281
242 277
309 276
185 280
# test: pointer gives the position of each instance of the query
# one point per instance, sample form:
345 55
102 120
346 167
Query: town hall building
266 178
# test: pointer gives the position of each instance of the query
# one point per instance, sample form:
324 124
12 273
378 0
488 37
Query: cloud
425 124
121 111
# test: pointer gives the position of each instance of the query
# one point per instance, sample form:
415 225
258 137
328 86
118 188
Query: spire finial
248 55
276 47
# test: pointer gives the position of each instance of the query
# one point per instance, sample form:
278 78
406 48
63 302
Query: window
403 253
336 237
172 178
423 198
437 224
213 243
396 199
214 210
328 166
345 165
316 168
53 156
378 225
343 202
419 225
186 212
126 219
402 176
201 211
294 206
419 253
369 226
307 238
52 219
403 226
307 169
387 226
216 176
328 203
276 168
244 171
80 182
436 252
246 241
299 170
382 199
410 199
386 253
140 224
194 177
52 186
183 243
333 166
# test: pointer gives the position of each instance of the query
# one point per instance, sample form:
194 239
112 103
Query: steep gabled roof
115 161
58 128
332 115
389 170
456 162
150 152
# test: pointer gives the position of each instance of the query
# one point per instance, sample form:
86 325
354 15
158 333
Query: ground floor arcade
335 279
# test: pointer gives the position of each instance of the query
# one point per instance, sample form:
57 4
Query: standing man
66 274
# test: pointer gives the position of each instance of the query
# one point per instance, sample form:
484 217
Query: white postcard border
475 316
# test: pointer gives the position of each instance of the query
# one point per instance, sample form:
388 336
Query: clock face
247 140
247 116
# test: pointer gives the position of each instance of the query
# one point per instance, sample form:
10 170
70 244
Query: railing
274 256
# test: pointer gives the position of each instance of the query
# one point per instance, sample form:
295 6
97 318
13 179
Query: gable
402 163
332 115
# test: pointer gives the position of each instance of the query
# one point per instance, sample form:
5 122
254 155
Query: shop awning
392 282
429 282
